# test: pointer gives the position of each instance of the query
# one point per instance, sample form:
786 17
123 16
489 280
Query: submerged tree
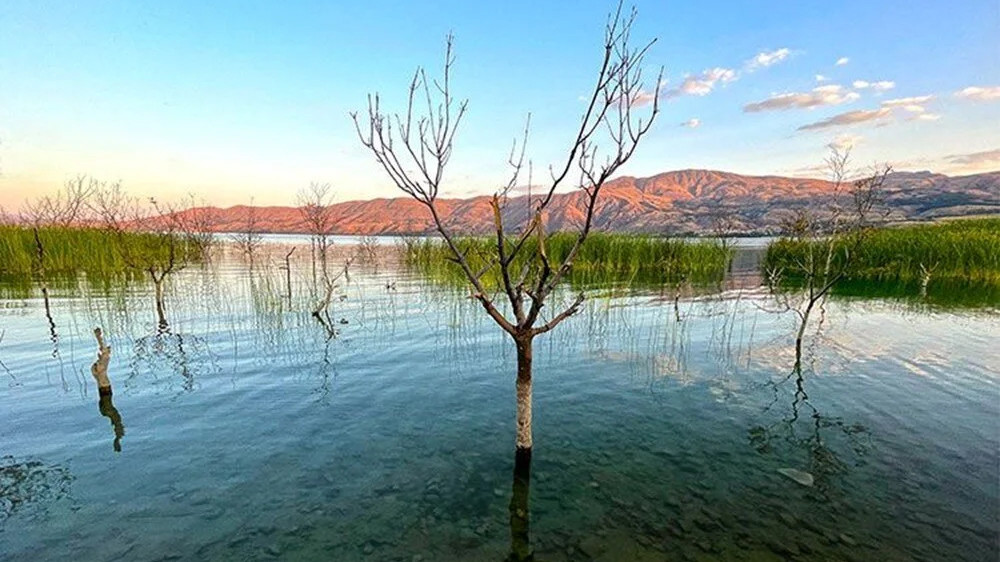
160 251
64 209
824 240
317 216
249 238
414 148
105 404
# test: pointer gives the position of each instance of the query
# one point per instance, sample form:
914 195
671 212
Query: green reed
99 254
604 260
955 255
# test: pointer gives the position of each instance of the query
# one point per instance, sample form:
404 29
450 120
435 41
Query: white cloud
848 118
926 117
903 102
692 123
765 59
703 84
821 78
879 86
842 61
979 93
845 141
830 94
912 104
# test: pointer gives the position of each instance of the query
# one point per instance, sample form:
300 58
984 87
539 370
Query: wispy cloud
845 141
848 118
692 123
842 61
702 84
913 104
979 93
925 117
831 94
821 78
903 102
976 158
879 86
765 59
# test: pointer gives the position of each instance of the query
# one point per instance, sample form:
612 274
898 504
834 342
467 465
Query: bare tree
198 221
317 215
249 239
414 148
159 252
66 207
829 237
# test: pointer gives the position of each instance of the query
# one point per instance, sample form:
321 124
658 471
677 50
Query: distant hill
681 202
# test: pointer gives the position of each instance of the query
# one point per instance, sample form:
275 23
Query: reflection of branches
4 365
823 461
520 530
325 368
171 348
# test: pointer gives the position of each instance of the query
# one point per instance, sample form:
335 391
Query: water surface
662 432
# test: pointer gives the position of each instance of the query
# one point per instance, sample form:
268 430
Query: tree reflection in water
823 462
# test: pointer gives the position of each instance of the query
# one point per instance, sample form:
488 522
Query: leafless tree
414 148
322 311
66 207
830 237
317 216
160 252
198 221
249 238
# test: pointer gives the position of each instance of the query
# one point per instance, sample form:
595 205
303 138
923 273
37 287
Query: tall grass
68 252
605 260
957 255
967 250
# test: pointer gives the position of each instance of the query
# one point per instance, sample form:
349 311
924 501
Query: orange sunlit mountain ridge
679 202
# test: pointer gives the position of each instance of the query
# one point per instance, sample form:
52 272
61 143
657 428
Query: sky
239 102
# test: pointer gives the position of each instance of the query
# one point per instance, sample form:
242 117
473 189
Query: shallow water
660 433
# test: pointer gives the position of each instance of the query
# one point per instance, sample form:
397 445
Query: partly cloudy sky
235 101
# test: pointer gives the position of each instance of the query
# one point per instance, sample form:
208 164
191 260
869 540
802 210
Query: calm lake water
661 432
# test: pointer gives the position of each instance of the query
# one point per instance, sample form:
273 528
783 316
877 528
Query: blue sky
238 100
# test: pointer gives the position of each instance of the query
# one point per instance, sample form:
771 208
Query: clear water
249 435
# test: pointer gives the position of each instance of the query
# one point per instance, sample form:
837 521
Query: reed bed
605 260
958 250
99 254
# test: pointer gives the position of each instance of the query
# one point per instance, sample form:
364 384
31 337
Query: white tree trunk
524 394
100 367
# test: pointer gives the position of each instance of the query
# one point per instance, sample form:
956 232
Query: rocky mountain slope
681 202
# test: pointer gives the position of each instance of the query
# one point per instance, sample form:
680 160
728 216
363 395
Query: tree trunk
524 393
161 314
520 536
802 332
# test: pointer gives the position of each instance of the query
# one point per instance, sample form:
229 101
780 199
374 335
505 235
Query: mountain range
679 202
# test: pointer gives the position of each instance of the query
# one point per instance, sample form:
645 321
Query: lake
662 431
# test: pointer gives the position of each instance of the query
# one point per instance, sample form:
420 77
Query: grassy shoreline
69 251
967 251
604 260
